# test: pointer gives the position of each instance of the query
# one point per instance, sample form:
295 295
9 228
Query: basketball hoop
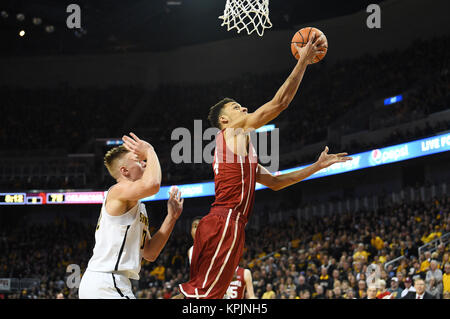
247 15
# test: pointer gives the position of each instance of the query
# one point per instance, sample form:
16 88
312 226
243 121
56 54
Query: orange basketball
301 37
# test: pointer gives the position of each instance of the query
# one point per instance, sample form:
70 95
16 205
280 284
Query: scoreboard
12 198
52 198
22 198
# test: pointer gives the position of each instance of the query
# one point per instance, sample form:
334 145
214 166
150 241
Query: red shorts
218 247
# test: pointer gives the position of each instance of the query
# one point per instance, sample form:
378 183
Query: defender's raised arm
140 171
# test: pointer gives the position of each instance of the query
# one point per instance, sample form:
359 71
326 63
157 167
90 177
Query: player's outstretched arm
150 181
287 91
154 245
284 180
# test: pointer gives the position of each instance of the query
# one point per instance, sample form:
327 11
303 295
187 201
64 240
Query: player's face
233 111
194 228
134 169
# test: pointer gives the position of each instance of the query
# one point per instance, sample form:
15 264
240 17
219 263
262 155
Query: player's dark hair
215 111
196 218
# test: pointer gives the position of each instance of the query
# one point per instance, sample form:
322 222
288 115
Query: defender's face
232 111
132 168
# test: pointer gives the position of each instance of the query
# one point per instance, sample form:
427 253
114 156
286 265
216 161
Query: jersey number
232 292
98 222
144 234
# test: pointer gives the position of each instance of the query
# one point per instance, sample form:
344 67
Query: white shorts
105 285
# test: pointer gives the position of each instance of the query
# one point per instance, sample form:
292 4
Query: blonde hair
111 158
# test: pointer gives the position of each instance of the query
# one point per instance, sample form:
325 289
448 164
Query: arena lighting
174 2
37 21
392 100
20 17
114 142
4 14
49 29
386 155
21 33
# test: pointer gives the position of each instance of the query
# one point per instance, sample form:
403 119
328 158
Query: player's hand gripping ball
301 38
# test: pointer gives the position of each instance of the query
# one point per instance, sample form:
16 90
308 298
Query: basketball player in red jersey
240 285
242 280
219 241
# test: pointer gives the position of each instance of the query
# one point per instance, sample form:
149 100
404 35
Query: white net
250 15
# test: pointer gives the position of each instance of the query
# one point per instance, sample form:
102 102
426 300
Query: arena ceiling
136 25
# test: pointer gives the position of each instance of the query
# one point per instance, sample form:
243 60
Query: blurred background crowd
315 257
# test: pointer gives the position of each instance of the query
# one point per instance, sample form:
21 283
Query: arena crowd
311 258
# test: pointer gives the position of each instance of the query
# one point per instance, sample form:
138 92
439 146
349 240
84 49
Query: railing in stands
434 244
393 261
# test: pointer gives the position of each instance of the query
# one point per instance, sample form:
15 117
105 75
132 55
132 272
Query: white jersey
119 242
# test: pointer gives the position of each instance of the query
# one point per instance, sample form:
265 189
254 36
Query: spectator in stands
337 293
360 254
325 279
305 294
446 278
420 293
425 264
408 287
371 292
329 294
414 271
319 292
362 289
349 294
290 286
382 292
395 290
432 288
436 274
302 285
269 293
445 259
376 242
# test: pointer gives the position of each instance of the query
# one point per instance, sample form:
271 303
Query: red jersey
234 178
237 285
220 237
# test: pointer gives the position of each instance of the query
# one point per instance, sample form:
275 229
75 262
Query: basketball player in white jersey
122 236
